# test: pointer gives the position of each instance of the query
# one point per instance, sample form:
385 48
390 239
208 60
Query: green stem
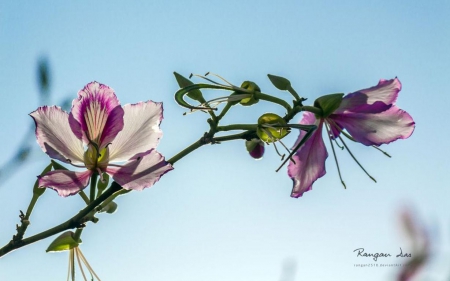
232 137
93 186
273 99
224 111
73 222
31 206
84 196
77 235
111 198
312 109
294 93
186 151
247 127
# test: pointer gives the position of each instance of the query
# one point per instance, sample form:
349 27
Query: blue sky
220 215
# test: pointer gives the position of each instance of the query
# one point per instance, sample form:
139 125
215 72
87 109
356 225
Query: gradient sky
220 215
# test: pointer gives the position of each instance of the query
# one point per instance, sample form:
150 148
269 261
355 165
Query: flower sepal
328 104
64 242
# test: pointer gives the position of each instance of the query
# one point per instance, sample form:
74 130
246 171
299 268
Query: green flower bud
64 242
110 208
269 133
251 86
279 82
328 103
255 148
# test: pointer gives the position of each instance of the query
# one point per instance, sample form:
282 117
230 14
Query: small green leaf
279 82
328 103
36 189
64 242
184 82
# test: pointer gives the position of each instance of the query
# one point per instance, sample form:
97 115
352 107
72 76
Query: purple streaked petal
309 159
64 182
377 129
98 113
372 100
142 171
54 136
141 130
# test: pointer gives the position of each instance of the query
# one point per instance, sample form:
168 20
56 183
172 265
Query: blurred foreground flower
99 131
420 242
370 118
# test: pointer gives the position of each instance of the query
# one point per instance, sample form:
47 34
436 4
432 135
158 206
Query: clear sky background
220 215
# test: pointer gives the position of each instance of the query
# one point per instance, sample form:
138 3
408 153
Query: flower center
94 159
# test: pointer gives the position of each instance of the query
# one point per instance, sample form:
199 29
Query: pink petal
142 171
140 132
66 183
377 129
372 100
54 136
309 159
98 113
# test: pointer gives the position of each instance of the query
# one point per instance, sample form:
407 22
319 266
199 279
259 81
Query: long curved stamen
88 265
341 130
382 151
352 139
71 271
79 263
214 102
220 77
273 139
225 87
210 80
330 135
334 154
357 162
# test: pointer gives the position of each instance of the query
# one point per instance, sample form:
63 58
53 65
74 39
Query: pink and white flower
370 117
98 132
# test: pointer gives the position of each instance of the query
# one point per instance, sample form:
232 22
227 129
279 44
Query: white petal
140 132
54 135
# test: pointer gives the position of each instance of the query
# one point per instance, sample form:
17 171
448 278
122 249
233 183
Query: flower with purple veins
369 116
98 132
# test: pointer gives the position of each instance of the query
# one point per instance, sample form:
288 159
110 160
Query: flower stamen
382 151
357 162
334 154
